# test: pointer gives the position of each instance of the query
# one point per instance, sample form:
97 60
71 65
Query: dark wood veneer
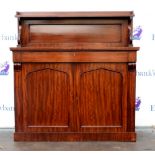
74 77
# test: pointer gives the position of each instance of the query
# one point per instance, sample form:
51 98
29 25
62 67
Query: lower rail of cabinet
75 136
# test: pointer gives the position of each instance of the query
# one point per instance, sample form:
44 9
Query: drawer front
74 56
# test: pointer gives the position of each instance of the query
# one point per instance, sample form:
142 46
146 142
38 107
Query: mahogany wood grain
131 96
47 97
104 81
74 56
75 77
18 99
106 14
49 32
92 136
98 47
75 33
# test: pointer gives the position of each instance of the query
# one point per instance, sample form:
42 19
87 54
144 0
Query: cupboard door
102 96
47 97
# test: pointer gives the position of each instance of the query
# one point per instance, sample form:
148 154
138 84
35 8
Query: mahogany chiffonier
75 76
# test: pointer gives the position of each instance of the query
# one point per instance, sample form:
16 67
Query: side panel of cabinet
102 97
47 97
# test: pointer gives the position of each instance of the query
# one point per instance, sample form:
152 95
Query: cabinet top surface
76 14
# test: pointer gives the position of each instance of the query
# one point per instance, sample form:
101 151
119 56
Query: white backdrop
144 20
